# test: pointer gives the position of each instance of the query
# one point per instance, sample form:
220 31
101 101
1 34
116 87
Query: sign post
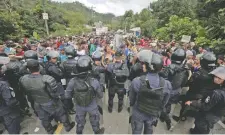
45 17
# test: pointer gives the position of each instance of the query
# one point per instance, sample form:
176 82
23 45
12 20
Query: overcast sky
117 7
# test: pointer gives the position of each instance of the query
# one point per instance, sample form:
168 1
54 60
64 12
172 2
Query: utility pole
46 19
92 12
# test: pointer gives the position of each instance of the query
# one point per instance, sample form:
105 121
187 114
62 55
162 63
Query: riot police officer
118 73
12 74
85 91
30 55
43 89
201 82
52 69
69 71
148 95
98 69
69 66
212 106
178 76
9 107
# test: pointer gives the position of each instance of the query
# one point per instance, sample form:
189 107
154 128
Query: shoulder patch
207 99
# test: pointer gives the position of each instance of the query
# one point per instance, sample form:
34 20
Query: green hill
23 17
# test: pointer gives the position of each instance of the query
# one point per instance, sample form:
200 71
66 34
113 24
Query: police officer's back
148 95
43 89
85 89
30 55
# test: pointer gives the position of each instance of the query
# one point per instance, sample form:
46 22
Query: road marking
59 128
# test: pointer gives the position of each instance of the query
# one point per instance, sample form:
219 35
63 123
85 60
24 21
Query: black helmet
84 64
30 55
156 63
70 51
32 64
208 61
178 56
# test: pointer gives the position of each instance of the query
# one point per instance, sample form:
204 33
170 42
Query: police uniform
43 89
9 108
54 70
118 73
201 83
85 89
148 96
69 70
178 76
12 74
98 70
211 107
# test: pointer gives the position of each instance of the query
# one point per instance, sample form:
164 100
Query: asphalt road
114 123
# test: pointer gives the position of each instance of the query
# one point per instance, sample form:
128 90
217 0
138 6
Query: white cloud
117 7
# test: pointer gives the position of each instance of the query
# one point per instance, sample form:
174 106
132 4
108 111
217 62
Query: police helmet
84 64
96 56
30 55
219 72
156 63
178 56
208 60
52 54
33 65
70 51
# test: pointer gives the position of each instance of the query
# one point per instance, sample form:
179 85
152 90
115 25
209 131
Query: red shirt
20 54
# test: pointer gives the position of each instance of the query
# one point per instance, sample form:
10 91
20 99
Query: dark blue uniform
211 110
9 108
139 118
45 93
76 87
114 85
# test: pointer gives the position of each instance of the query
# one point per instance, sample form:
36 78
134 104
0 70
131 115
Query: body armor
150 101
84 93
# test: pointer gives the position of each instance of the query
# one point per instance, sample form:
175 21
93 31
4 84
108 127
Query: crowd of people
51 73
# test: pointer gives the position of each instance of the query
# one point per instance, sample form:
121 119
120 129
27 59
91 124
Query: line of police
151 92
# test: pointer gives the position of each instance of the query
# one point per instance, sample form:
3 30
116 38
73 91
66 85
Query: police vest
150 101
84 92
36 88
179 78
119 75
70 68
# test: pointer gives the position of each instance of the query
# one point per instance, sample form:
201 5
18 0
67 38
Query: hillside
23 17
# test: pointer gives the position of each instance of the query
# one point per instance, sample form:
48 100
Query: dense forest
204 20
24 17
